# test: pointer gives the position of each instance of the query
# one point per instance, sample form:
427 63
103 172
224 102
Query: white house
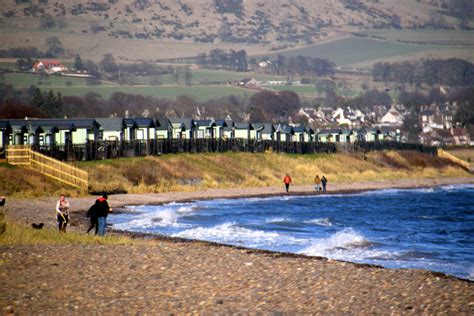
392 118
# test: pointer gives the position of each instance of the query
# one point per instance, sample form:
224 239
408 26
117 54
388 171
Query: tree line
450 72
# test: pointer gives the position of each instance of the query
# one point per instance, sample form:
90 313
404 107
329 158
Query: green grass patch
201 93
351 50
427 36
16 234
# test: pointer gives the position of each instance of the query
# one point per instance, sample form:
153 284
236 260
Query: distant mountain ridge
275 22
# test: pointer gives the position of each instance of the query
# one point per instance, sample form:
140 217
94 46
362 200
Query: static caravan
182 128
5 131
145 128
329 136
163 129
204 128
219 126
242 130
300 134
19 132
111 128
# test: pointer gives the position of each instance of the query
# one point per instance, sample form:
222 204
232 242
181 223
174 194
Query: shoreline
171 275
122 200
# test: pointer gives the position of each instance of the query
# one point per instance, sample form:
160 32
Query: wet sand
163 276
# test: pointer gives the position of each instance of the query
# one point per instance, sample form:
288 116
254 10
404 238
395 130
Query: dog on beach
37 226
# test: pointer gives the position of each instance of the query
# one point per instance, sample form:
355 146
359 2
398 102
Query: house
49 66
434 118
204 128
339 117
111 128
249 83
460 136
182 128
437 137
392 118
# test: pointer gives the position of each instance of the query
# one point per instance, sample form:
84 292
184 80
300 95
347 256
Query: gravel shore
162 276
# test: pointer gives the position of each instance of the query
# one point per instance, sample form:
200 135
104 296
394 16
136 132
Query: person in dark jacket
323 182
92 215
102 210
2 201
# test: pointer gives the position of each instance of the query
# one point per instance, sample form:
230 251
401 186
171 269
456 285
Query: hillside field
363 52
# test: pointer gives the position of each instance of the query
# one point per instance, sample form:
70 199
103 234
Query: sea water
430 228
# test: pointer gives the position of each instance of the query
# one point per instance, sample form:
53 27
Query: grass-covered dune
194 172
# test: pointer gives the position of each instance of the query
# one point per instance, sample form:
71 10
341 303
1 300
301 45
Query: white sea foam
231 233
276 220
320 221
347 244
157 216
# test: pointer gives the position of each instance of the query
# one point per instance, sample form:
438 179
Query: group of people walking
319 183
97 214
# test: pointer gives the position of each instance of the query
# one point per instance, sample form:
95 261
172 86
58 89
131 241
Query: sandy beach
163 276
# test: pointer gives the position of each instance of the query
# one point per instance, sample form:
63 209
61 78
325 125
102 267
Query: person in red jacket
287 182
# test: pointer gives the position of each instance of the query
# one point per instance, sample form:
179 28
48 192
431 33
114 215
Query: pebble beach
158 275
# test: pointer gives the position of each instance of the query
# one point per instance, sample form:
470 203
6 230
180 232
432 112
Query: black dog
37 226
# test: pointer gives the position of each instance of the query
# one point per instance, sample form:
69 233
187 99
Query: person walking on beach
62 213
317 183
323 182
2 201
102 210
92 215
287 182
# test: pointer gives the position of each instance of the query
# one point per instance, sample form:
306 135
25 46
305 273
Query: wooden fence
24 156
97 150
466 165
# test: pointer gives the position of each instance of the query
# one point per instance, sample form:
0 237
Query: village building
249 83
435 117
49 66
392 118
460 136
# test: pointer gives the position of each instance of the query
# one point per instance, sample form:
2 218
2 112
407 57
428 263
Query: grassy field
427 36
364 52
351 50
78 87
195 172
200 93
